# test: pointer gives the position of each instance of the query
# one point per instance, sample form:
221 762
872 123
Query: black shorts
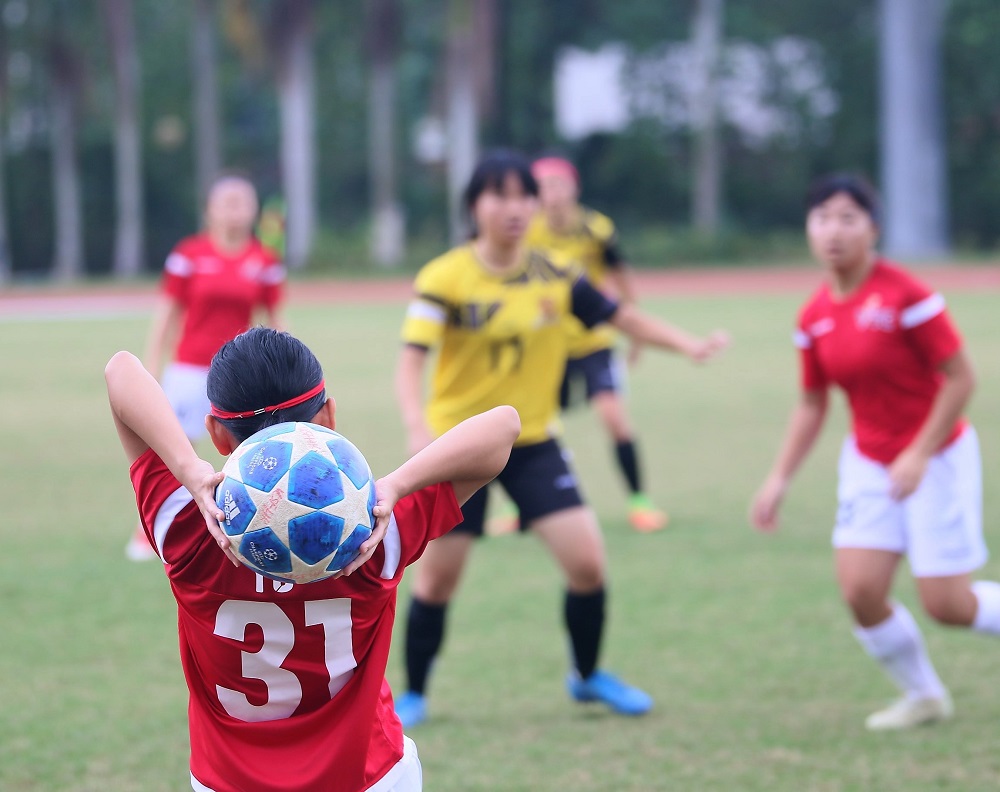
594 373
539 481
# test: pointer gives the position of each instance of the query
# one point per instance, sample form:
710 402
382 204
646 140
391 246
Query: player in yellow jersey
574 231
494 312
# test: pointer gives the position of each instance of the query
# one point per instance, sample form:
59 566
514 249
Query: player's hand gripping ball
298 500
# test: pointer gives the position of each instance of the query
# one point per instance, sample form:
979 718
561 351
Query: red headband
273 408
555 166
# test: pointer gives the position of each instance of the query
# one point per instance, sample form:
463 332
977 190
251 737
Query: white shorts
939 527
405 776
186 389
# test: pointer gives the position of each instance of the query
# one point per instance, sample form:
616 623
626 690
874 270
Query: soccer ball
298 500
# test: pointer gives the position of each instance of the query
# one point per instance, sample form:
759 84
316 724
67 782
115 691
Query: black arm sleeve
613 257
591 306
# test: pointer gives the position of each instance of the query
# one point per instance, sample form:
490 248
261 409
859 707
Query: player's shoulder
816 306
193 245
598 225
898 283
441 274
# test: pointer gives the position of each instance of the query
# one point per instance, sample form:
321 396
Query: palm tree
292 31
207 146
382 23
913 148
64 70
129 231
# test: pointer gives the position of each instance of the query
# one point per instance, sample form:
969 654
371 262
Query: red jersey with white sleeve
219 292
883 345
287 683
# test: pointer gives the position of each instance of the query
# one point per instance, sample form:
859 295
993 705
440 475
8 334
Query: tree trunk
297 106
68 216
462 112
6 267
913 149
128 252
207 148
388 227
706 198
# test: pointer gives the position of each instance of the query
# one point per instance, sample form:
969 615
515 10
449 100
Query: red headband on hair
273 408
554 166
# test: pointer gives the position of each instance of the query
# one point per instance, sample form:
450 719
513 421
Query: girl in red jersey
910 472
213 285
286 683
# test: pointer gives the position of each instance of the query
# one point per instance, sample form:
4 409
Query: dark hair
490 173
857 187
259 368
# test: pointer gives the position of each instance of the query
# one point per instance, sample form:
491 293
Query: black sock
585 621
628 461
424 635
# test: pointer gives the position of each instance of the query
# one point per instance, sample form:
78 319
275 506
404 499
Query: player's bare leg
574 539
438 574
889 634
643 514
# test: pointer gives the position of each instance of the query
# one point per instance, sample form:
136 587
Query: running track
42 303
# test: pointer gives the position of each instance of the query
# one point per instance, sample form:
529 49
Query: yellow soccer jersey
502 337
594 245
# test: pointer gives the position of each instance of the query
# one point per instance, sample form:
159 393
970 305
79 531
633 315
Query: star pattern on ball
309 514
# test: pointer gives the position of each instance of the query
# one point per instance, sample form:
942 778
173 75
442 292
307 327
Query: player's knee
586 576
866 601
949 611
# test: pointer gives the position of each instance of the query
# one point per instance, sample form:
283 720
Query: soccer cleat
411 709
909 712
506 521
139 548
643 516
610 690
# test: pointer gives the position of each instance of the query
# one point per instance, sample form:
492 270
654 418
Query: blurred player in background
575 232
496 312
215 285
287 683
910 472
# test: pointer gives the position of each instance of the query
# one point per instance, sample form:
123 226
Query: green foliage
641 177
741 639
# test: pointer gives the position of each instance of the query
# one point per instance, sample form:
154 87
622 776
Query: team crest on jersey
548 311
873 315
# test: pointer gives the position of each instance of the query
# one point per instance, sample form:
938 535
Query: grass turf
740 638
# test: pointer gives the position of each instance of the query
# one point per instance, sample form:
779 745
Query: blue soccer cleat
411 709
608 689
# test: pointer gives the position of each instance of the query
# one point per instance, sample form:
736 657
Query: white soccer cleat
906 713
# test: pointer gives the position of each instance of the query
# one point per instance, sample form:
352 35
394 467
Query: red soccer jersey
219 292
882 345
287 687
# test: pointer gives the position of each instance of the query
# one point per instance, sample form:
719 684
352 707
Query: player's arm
409 395
470 455
163 332
647 329
958 382
144 420
804 427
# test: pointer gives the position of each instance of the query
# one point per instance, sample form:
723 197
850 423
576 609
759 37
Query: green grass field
740 638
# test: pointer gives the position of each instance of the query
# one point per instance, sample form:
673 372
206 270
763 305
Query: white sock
988 611
899 648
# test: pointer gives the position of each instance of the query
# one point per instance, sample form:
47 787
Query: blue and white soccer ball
298 500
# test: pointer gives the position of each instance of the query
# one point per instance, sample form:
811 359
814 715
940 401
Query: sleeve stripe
166 515
179 265
802 340
421 309
273 275
921 312
393 548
